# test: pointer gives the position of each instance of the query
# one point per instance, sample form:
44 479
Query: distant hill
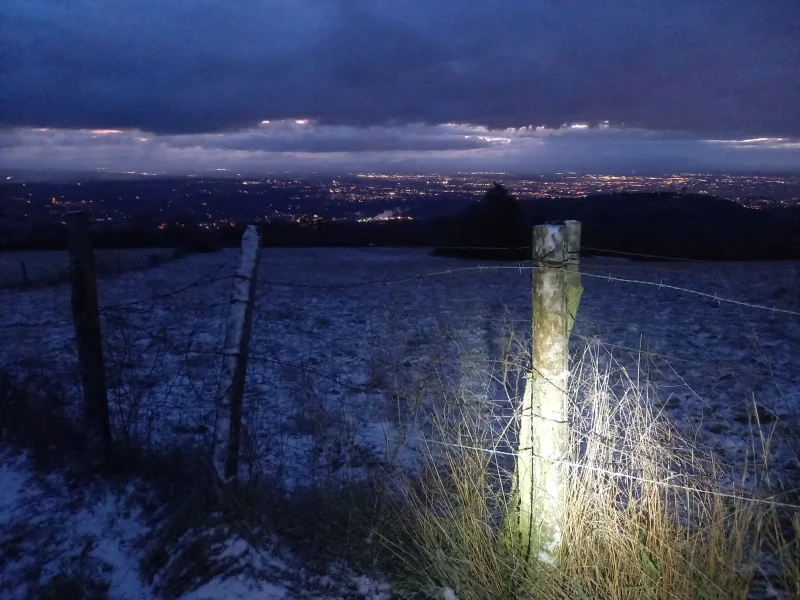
664 224
694 226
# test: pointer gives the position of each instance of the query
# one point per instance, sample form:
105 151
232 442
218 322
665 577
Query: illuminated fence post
86 316
540 479
227 426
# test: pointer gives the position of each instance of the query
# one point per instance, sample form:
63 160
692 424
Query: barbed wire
57 349
450 271
642 255
387 281
714 297
104 267
590 248
645 352
660 483
523 267
399 440
610 472
520 267
643 266
66 322
165 295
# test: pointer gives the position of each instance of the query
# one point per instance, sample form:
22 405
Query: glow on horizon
759 140
486 138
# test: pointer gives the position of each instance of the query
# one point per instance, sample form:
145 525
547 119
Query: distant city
218 200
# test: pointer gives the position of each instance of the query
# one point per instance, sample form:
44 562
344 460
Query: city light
214 199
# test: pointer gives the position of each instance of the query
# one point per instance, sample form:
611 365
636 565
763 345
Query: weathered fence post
540 479
86 316
228 422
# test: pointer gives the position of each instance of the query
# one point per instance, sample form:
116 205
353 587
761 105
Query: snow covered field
345 367
341 362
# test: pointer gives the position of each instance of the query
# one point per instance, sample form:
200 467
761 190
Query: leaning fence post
86 316
540 480
227 425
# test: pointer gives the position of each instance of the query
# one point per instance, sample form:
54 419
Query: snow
13 482
342 376
46 525
449 594
337 368
49 528
237 588
552 238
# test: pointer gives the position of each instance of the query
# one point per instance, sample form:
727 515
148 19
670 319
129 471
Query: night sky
401 85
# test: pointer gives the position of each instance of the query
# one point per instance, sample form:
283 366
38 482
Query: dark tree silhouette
503 217
496 221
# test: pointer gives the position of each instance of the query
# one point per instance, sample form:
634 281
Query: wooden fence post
227 426
86 316
540 479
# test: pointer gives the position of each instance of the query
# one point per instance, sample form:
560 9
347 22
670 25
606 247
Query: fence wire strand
660 483
714 297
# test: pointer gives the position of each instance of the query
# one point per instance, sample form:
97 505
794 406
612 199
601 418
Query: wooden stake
227 426
544 434
86 316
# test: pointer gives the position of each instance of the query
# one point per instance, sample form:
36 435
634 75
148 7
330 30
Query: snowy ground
343 365
64 539
338 365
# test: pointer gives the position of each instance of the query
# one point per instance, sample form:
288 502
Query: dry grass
647 515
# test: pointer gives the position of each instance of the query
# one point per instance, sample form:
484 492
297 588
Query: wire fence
356 354
44 269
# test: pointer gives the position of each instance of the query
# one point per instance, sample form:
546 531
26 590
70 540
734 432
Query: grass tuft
648 514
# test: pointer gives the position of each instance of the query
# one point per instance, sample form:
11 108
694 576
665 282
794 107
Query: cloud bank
170 66
386 85
287 145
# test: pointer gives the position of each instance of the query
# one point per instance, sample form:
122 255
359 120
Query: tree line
498 227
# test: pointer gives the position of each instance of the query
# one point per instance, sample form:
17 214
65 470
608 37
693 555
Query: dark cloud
442 148
293 137
169 66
